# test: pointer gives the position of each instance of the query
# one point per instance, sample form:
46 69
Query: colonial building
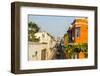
77 35
78 31
36 51
44 49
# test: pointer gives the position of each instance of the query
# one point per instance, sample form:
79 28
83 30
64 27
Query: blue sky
55 25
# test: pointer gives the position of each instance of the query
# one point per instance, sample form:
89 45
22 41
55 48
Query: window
77 32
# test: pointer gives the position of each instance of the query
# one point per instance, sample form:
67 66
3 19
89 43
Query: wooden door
43 54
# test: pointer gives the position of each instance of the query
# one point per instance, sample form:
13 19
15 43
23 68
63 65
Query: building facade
78 31
76 39
44 49
36 51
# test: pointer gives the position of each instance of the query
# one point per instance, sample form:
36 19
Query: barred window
77 32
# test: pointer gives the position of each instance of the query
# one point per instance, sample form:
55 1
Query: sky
56 26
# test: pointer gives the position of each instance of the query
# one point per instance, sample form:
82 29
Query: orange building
77 35
78 31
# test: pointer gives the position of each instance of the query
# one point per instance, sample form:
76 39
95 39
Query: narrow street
60 52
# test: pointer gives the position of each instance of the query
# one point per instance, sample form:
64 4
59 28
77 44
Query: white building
37 51
46 38
44 49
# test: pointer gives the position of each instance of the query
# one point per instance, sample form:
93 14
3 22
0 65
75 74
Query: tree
32 29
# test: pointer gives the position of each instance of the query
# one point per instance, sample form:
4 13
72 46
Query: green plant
32 29
72 50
